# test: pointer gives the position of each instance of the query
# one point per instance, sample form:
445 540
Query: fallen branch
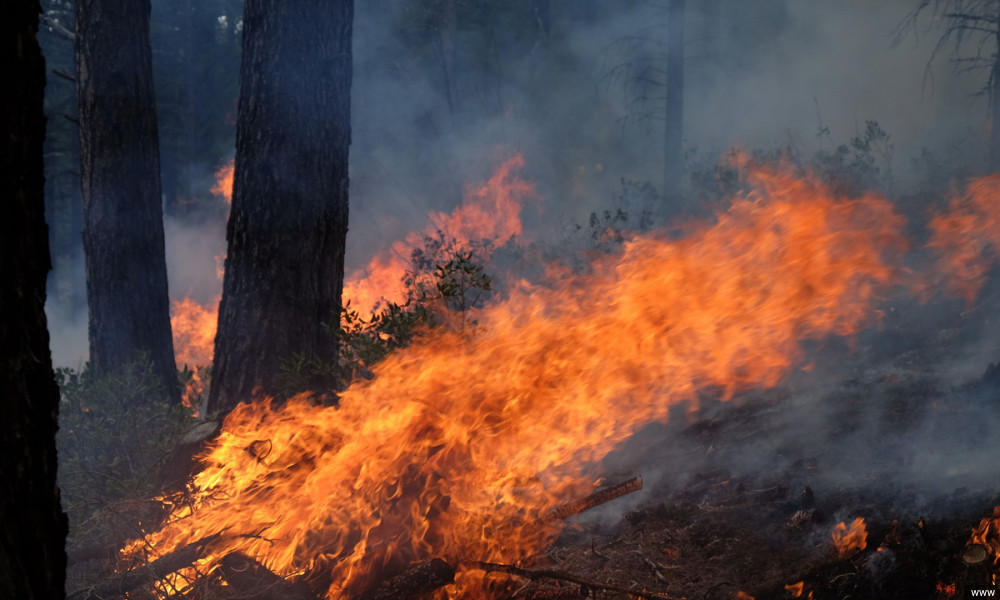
420 579
588 584
170 562
598 498
248 577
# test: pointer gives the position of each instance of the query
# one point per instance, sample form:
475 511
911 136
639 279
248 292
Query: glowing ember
223 187
968 236
459 445
490 211
848 540
796 589
987 536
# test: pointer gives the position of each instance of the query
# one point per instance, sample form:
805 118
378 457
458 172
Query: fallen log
422 578
250 579
585 584
596 499
170 562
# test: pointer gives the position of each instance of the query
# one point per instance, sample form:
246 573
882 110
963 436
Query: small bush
114 433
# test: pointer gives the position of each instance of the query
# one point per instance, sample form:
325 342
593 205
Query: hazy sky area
767 77
759 75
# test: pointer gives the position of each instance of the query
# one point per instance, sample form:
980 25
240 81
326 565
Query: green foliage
441 293
864 163
114 433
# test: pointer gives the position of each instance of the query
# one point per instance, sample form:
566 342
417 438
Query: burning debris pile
466 446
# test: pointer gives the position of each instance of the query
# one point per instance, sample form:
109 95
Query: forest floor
897 427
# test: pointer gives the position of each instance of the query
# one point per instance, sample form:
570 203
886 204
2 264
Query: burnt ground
898 427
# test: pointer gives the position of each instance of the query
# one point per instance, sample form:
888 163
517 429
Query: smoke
427 122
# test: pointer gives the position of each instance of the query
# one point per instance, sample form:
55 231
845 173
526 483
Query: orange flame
490 211
193 327
987 535
223 187
796 589
848 540
460 444
968 236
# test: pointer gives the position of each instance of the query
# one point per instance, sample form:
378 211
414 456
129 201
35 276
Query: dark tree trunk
673 156
120 168
32 524
287 228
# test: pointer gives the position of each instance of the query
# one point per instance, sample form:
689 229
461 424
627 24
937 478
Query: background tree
288 224
32 525
971 29
196 46
62 153
686 52
120 170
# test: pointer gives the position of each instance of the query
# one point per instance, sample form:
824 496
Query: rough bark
32 524
673 155
288 222
120 171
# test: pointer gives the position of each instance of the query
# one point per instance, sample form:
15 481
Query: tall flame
193 326
460 444
490 211
967 237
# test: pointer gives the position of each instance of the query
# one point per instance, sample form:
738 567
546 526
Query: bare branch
970 17
64 74
57 27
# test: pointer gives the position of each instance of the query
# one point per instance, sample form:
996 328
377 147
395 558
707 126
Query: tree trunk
288 223
673 155
120 169
32 524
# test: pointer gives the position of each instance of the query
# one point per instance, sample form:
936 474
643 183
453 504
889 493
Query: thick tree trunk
288 223
673 155
32 524
120 168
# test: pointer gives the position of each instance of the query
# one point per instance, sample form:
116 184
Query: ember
848 540
984 545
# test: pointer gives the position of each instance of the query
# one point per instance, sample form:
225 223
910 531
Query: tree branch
183 557
57 27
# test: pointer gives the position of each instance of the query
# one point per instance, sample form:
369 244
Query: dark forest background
442 86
